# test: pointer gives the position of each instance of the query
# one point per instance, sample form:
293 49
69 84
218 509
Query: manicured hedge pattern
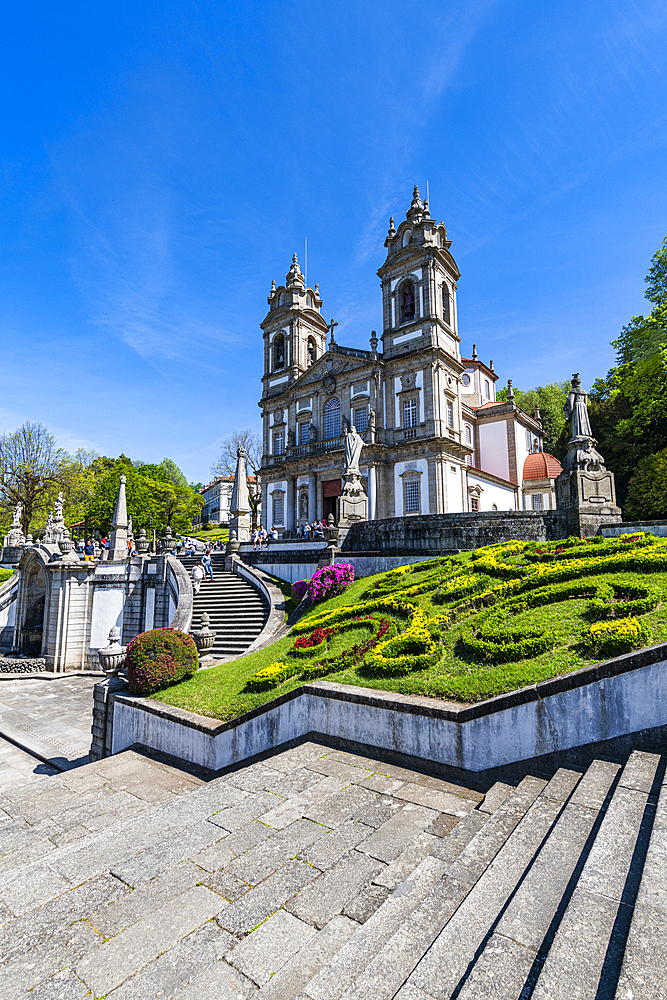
481 593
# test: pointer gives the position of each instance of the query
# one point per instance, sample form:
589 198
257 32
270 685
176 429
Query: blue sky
162 161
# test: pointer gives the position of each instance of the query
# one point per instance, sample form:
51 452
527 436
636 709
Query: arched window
278 353
407 237
407 301
332 419
312 350
446 310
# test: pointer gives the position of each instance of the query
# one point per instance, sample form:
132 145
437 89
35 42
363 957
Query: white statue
353 445
18 511
129 529
58 518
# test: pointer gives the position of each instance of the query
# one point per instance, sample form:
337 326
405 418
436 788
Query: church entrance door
331 490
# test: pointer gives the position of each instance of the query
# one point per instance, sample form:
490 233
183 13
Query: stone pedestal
353 501
588 499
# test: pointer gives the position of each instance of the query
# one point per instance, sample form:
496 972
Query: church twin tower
415 402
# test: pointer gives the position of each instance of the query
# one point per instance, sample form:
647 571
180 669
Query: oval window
465 378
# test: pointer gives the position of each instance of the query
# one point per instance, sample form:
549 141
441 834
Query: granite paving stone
443 825
495 797
461 834
219 982
366 903
256 905
639 771
330 848
237 843
24 933
261 954
64 985
399 869
381 783
257 777
176 968
393 836
60 951
297 806
340 806
309 960
294 782
346 965
320 901
259 862
128 908
155 860
377 812
337 768
434 798
120 957
594 786
643 971
497 972
227 885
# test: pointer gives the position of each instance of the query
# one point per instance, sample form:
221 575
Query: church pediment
329 367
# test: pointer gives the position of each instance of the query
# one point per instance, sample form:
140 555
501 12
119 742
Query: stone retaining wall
613 699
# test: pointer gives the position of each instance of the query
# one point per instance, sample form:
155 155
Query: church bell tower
295 334
419 279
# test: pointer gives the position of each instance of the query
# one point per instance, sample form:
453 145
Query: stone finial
392 230
474 352
273 285
510 389
491 364
317 289
374 343
142 543
416 209
537 414
294 277
118 541
112 657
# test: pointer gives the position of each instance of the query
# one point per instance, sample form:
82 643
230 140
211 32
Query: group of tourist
201 570
311 531
260 536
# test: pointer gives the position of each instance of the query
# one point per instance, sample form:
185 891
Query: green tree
629 406
550 399
225 465
32 470
152 496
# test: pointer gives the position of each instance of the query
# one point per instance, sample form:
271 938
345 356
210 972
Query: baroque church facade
436 439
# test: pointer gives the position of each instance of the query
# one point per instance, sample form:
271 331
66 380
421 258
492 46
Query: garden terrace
463 628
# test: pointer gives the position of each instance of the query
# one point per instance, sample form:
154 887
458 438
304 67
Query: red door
331 490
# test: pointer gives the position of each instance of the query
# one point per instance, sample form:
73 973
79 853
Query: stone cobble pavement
130 879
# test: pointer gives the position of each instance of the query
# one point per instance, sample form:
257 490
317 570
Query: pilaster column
290 513
312 498
372 493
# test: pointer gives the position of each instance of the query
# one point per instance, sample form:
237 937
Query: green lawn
5 574
214 535
472 587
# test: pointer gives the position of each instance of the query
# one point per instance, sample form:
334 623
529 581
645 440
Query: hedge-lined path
323 875
236 611
48 718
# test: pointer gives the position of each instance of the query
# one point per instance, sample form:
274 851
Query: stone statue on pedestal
584 486
353 502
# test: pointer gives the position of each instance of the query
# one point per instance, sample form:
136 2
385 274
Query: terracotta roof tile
541 465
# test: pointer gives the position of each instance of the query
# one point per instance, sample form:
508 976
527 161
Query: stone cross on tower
332 324
118 543
239 506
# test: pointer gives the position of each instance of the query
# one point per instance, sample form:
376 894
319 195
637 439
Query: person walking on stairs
198 574
206 563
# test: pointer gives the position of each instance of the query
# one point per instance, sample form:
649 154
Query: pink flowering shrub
300 589
160 657
330 581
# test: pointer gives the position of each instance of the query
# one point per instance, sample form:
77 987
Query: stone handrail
183 615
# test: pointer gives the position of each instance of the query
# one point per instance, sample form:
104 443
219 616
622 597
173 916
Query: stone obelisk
118 542
239 506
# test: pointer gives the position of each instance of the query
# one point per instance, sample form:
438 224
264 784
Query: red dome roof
541 465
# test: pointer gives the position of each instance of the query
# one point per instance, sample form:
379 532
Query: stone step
584 935
354 970
237 613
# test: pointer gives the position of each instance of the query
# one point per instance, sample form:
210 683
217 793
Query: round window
465 378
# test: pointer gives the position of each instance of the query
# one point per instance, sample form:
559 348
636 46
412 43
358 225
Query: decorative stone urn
204 638
142 543
112 657
167 541
66 544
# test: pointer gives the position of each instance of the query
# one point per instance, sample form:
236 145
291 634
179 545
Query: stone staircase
321 875
236 611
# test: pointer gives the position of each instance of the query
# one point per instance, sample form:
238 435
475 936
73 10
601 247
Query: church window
312 350
407 301
279 353
361 419
304 433
536 499
465 379
407 237
468 434
446 311
278 443
278 508
474 503
410 413
332 419
494 506
450 414
487 389
411 496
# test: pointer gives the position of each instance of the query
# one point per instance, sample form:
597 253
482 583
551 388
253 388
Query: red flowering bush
160 657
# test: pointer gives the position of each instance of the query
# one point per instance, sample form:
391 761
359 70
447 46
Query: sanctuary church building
436 439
